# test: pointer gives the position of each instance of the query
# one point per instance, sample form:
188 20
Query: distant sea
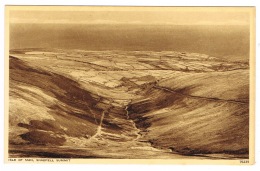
230 42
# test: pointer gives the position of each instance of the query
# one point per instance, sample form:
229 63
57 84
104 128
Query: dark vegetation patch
157 99
43 138
50 154
47 125
190 152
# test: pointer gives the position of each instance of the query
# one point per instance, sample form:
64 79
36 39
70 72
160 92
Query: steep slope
52 116
49 105
127 104
192 116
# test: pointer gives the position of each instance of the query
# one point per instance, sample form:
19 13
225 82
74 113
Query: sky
121 15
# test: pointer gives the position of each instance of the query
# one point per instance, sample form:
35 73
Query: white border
65 167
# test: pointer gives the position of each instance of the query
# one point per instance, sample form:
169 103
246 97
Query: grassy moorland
127 104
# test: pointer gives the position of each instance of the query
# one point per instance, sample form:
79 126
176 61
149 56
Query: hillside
127 104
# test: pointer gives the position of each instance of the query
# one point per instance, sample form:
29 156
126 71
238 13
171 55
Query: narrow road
99 128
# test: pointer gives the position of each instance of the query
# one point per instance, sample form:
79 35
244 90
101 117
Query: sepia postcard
131 85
